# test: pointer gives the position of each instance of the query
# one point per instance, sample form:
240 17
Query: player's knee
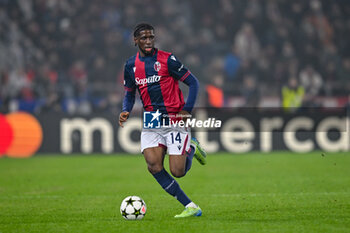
154 168
178 173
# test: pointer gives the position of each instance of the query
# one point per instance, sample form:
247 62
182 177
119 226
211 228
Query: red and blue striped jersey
156 78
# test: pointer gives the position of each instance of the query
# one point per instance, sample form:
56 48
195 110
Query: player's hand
123 117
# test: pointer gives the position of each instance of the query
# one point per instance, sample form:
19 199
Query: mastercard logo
21 135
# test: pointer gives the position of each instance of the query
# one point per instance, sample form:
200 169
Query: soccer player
155 74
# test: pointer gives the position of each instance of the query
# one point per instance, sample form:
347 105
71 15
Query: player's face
145 41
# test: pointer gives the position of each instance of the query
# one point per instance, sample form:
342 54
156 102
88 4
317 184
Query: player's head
144 38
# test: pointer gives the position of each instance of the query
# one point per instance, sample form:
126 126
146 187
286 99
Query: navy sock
189 159
170 185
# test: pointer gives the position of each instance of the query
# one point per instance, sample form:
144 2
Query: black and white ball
133 208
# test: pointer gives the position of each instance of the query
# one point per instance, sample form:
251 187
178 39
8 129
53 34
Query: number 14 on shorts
178 142
175 138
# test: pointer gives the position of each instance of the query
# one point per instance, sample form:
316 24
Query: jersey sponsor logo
182 66
150 79
157 66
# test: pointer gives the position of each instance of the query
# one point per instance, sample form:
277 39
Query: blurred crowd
68 55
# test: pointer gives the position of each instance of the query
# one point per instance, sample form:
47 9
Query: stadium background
61 71
63 60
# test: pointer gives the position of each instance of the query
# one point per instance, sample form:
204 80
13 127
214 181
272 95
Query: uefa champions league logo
151 120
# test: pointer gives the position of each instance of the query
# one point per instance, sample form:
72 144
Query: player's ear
135 41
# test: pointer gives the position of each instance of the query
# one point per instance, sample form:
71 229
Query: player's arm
129 98
180 72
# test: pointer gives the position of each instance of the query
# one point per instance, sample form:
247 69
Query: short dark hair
140 27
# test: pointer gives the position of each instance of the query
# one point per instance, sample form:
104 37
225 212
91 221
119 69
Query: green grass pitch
275 192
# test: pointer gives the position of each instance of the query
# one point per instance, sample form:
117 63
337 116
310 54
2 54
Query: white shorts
176 139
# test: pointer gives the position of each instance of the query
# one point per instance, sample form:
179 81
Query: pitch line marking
214 195
278 194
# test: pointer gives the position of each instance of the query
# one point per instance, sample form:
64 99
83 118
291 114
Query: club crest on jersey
157 66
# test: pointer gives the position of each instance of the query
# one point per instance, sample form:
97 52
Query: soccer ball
133 208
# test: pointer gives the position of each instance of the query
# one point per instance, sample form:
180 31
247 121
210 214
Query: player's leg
199 152
180 164
154 159
177 164
178 145
154 156
153 149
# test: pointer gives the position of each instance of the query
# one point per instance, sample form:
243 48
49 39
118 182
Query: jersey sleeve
130 90
177 69
129 83
180 72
